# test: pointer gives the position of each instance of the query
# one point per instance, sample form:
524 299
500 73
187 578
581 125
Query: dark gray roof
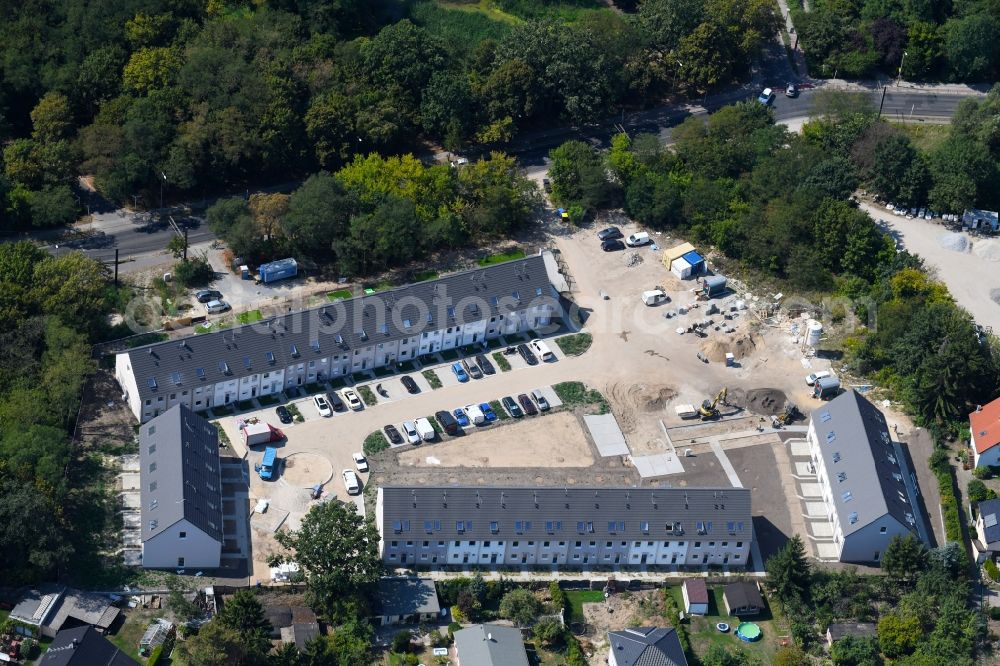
407 596
84 646
743 595
990 511
647 646
865 476
697 590
179 457
857 629
441 508
38 604
490 645
340 326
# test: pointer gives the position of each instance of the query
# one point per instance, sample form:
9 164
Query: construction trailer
259 433
713 285
278 270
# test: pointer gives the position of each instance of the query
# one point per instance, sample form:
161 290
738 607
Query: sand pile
995 295
740 346
957 242
987 249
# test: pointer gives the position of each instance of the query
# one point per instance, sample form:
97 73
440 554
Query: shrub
401 641
432 378
983 472
576 344
995 612
452 628
459 615
992 571
155 656
976 491
368 396
501 361
195 272
374 443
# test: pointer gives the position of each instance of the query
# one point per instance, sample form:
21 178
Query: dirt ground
561 443
619 611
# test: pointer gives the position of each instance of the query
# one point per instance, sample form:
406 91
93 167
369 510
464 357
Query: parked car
610 233
791 90
511 406
393 434
812 377
322 406
215 307
447 421
472 369
425 429
476 415
543 404
612 245
360 461
461 417
351 482
546 184
526 404
459 371
410 430
766 97
284 415
488 412
485 365
409 384
526 354
335 401
638 238
353 400
206 295
542 350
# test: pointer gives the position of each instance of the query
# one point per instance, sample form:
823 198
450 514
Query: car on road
360 461
542 350
447 421
476 415
335 402
322 406
215 307
526 404
485 365
353 400
472 369
610 233
488 412
461 417
206 295
410 430
393 434
409 384
459 371
351 482
527 355
543 404
612 245
284 415
791 90
511 406
766 97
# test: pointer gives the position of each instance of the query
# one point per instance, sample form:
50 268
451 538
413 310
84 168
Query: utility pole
116 267
185 243
882 103
899 75
161 188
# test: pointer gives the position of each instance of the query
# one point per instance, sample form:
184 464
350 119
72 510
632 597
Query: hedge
992 571
155 656
939 464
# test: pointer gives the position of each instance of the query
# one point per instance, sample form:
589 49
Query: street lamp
900 74
161 188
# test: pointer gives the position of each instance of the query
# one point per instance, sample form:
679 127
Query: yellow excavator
709 408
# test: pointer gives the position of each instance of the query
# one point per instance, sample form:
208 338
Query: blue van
266 467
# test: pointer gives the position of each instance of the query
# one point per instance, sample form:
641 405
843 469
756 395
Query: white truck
686 411
425 429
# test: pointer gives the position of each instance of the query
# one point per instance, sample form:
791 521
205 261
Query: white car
476 416
542 350
352 400
410 430
351 482
425 429
215 307
322 406
811 378
360 461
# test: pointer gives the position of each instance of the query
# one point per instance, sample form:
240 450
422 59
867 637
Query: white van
542 350
637 239
654 297
425 429
476 416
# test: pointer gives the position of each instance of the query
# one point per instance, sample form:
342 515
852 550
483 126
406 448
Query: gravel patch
957 242
988 250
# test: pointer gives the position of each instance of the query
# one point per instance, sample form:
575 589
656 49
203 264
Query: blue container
278 270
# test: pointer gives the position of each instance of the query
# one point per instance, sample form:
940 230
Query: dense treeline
377 213
779 204
955 41
193 96
51 307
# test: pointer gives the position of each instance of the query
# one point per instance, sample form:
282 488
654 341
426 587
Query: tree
32 529
549 631
351 643
788 572
150 69
52 119
176 246
976 491
182 607
52 206
791 656
520 606
899 634
319 212
244 614
578 176
856 651
214 645
401 641
972 46
338 551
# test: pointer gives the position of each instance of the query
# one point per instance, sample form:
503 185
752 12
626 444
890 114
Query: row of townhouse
339 339
565 527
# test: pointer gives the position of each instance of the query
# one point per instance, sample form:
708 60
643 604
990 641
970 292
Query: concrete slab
811 490
799 448
607 435
826 551
446 376
551 396
821 529
803 469
727 466
130 480
815 509
663 464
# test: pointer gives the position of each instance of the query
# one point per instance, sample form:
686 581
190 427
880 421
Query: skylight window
848 496
384 328
295 351
451 313
315 345
152 383
495 300
200 372
270 357
824 416
407 323
494 527
538 291
340 339
175 377
830 436
836 456
853 517
517 296
223 367
247 363
841 476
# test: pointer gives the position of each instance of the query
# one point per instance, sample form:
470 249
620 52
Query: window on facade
494 527
182 535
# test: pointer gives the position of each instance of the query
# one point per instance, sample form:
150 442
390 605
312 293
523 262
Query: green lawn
501 361
340 294
703 633
424 276
432 378
249 317
367 396
374 288
128 635
576 344
502 414
577 598
501 257
374 443
574 394
925 137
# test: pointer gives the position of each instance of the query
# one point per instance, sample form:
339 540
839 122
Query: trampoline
748 632
723 627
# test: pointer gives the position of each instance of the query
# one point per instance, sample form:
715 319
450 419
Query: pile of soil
766 401
630 400
740 346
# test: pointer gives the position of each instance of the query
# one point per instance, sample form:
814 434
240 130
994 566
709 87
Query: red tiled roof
697 591
985 426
